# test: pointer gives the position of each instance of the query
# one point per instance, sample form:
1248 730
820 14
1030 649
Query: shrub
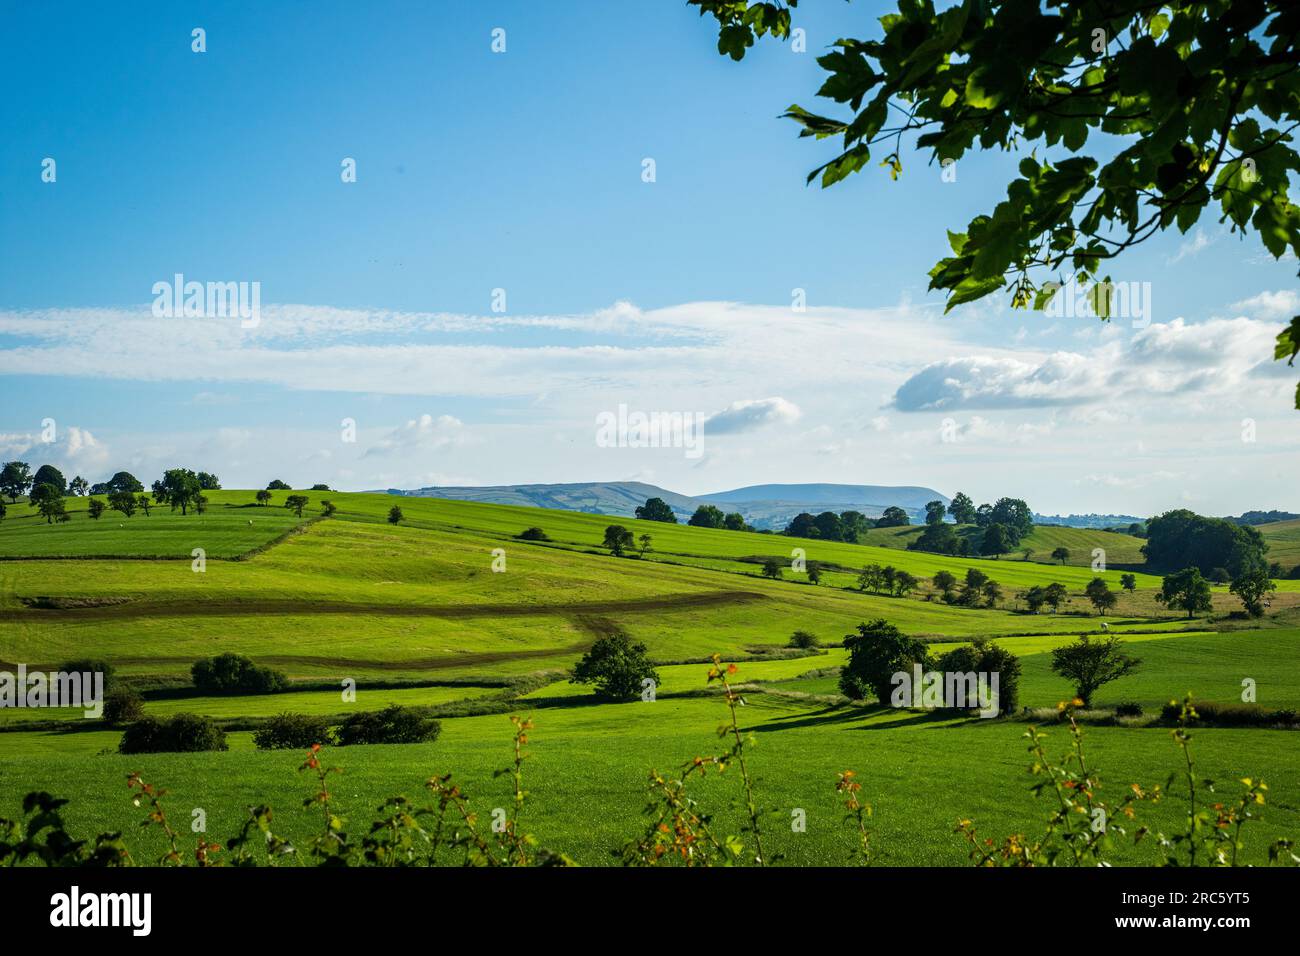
982 657
394 514
182 733
617 666
235 674
533 534
803 640
392 725
1129 708
1230 714
122 705
292 732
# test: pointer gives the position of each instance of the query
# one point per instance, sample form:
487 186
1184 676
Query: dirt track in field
590 611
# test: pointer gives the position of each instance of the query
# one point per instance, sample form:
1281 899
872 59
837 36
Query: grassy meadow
415 614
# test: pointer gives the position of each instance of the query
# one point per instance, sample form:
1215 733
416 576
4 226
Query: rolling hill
766 507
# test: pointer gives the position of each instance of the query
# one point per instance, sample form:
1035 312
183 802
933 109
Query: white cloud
746 415
1281 304
1207 359
1191 247
422 434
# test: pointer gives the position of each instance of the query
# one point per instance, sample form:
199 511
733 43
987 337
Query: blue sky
522 171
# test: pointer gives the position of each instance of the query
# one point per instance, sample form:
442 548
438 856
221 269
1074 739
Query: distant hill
1263 517
620 498
764 506
772 506
1089 520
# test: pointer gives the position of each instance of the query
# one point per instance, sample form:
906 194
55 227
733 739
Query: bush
533 534
394 514
803 640
235 674
1129 708
122 705
292 732
392 725
981 657
182 733
1230 714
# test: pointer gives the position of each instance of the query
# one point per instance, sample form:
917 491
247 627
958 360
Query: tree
853 525
1026 553
1181 538
296 503
15 479
618 539
3 509
327 507
802 640
123 481
1015 515
934 512
394 514
802 525
1186 590
278 485
877 652
209 482
1091 664
893 517
78 487
49 475
617 667
656 509
1035 598
972 589
95 508
1128 582
48 500
734 521
996 540
263 497
1100 594
814 571
962 508
1061 554
707 516
200 504
1056 594
983 516
992 592
945 582
320 486
904 583
871 578
178 488
644 542
937 539
123 501
1252 588
772 569
828 526
144 504
1193 104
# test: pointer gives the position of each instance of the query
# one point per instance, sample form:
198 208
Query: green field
353 596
